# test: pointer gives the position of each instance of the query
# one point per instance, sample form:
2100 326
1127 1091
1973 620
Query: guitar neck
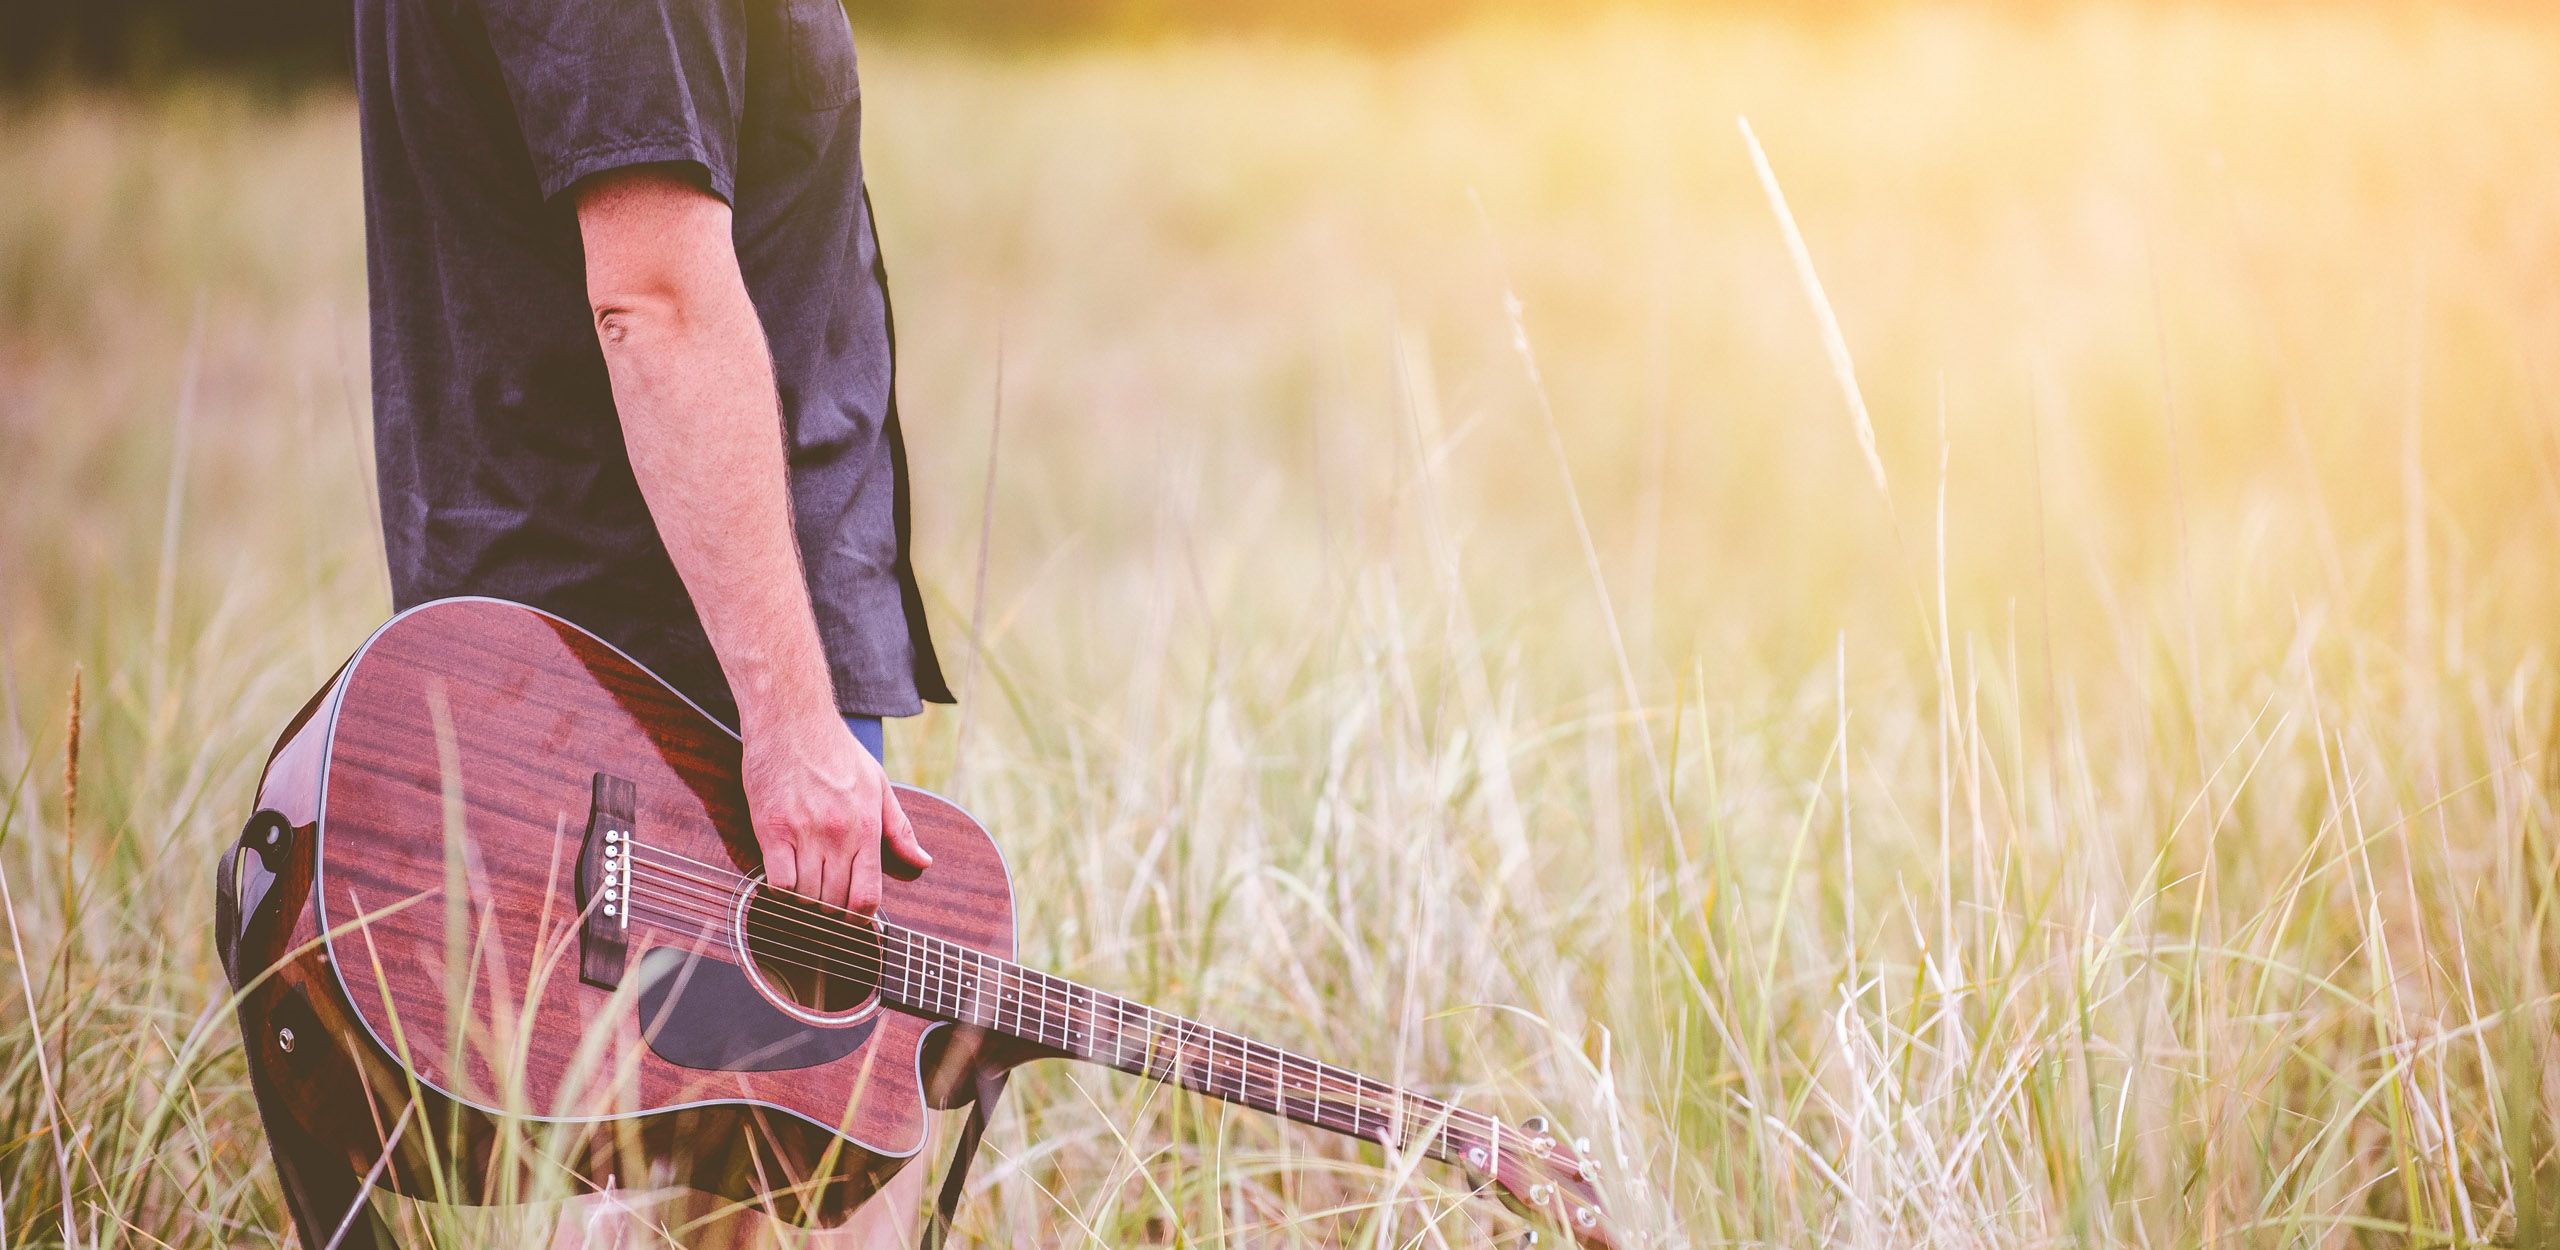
936 978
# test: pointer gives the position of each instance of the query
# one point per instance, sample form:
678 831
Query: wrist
786 715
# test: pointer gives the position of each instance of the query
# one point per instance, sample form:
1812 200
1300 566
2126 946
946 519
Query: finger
863 893
902 833
782 866
834 872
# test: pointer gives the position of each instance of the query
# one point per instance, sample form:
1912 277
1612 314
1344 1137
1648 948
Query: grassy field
1441 610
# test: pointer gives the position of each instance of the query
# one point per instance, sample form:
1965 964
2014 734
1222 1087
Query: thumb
901 834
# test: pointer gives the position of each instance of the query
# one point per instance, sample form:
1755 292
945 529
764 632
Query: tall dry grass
1439 614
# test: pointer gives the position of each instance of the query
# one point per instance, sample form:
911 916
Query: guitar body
436 885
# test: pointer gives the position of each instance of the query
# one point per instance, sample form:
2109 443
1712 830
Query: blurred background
138 40
2071 763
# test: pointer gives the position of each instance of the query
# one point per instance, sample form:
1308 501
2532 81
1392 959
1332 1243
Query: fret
1018 994
1064 993
943 978
1177 1053
1117 1007
1189 1062
1193 1052
1128 1042
1035 1007
1107 1015
1155 1061
1222 1079
1250 1074
1027 1015
978 991
1299 1098
1313 1096
1259 1084
957 960
1367 1119
1058 1003
1124 1023
1053 1023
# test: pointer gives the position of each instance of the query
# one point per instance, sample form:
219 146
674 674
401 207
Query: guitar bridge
604 883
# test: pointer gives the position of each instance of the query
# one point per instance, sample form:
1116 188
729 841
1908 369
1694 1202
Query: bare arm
693 382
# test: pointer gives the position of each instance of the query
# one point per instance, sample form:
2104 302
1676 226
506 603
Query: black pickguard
700 1012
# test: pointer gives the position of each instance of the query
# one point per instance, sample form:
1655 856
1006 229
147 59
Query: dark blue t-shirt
500 457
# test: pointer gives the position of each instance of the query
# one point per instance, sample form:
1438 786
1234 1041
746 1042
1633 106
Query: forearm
701 420
693 381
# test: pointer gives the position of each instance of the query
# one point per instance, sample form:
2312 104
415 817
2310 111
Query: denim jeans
867 730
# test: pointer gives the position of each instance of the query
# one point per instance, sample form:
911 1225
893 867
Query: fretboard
936 978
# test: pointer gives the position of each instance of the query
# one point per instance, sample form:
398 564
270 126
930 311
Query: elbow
630 319
659 258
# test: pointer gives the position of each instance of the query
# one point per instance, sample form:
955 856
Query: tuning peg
1540 1140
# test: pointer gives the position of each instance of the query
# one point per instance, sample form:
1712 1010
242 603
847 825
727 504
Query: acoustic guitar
503 875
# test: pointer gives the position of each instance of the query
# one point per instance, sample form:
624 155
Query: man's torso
500 457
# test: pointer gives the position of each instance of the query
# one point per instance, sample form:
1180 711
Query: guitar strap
325 1196
955 1178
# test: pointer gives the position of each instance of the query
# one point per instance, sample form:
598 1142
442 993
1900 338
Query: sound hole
821 960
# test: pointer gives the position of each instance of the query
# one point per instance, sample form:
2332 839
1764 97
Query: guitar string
944 984
1346 1112
710 921
1353 1107
1285 1084
1369 1091
1368 1096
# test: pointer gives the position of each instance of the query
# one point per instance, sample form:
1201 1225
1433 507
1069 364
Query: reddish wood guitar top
438 916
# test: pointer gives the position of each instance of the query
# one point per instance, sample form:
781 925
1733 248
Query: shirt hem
864 705
584 163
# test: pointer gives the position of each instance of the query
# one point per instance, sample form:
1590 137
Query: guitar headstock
1551 1180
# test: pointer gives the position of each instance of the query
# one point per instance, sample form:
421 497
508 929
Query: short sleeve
599 85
